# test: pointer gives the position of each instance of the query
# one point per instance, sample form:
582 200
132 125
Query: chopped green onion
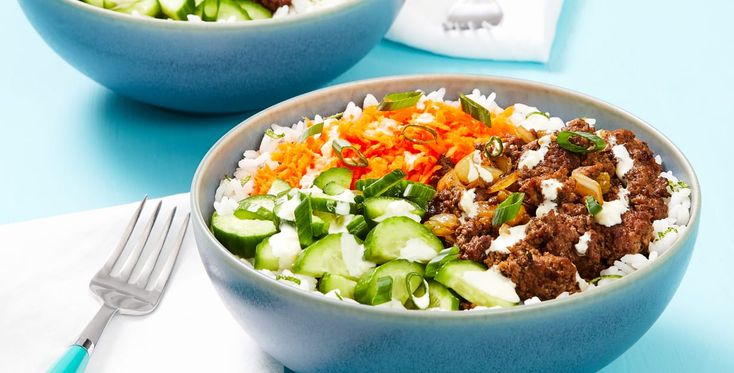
507 210
338 294
477 111
271 133
293 279
420 301
363 183
245 180
538 113
415 140
304 221
662 234
494 147
358 226
384 183
676 186
443 257
563 139
397 101
339 145
594 281
383 292
592 205
420 194
337 116
311 131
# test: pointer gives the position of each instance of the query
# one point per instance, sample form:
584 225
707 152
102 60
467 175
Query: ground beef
513 148
446 201
274 4
446 165
473 238
539 274
629 237
556 159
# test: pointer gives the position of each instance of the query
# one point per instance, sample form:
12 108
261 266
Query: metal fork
127 283
473 14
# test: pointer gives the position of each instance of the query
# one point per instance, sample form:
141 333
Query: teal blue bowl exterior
311 333
211 67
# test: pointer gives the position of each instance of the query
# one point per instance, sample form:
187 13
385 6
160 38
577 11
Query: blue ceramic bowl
309 332
211 67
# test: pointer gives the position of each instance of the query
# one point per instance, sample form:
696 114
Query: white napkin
45 268
525 33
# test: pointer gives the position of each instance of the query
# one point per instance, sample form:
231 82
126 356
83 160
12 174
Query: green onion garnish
245 180
477 111
494 147
662 234
538 113
271 133
337 116
676 186
592 205
383 292
304 221
507 210
419 193
443 257
293 279
419 127
397 101
358 227
339 145
563 139
594 281
311 131
423 300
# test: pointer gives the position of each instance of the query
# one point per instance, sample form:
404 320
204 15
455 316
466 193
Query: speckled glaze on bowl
311 333
211 67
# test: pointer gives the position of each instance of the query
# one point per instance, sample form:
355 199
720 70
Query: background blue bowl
210 67
309 332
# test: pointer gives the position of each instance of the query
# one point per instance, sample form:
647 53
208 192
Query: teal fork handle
74 361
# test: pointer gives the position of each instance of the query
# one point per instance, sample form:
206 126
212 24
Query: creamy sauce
493 283
532 158
285 246
504 241
416 250
352 253
399 208
583 245
549 188
612 211
624 162
467 203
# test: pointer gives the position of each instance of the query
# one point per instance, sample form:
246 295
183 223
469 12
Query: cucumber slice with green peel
258 207
377 209
208 11
304 222
229 10
372 286
264 258
441 297
477 284
177 9
337 254
363 183
335 282
333 206
279 187
319 227
338 175
241 236
97 3
148 8
401 237
384 183
255 10
420 194
443 257
358 227
333 189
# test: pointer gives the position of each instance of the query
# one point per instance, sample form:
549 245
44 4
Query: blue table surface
68 144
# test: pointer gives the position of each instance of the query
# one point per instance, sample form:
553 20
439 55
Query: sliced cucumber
443 257
441 297
337 175
420 194
255 10
377 209
177 9
363 183
257 208
335 282
319 227
370 288
401 237
264 258
149 8
97 3
333 189
333 206
337 254
477 284
358 227
241 236
304 222
279 187
229 10
384 184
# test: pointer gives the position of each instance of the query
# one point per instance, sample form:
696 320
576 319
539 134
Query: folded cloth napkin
525 30
45 302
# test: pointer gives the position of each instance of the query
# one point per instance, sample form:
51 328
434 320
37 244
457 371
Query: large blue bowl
211 67
309 332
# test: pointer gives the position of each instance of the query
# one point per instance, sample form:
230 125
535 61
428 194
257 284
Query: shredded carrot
378 136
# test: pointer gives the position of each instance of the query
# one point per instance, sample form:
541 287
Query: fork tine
127 267
124 239
159 282
146 265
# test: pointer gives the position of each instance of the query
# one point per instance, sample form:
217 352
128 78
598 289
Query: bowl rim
256 23
553 305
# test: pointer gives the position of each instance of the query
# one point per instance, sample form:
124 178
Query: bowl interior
566 104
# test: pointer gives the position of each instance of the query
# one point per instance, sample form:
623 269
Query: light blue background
67 144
